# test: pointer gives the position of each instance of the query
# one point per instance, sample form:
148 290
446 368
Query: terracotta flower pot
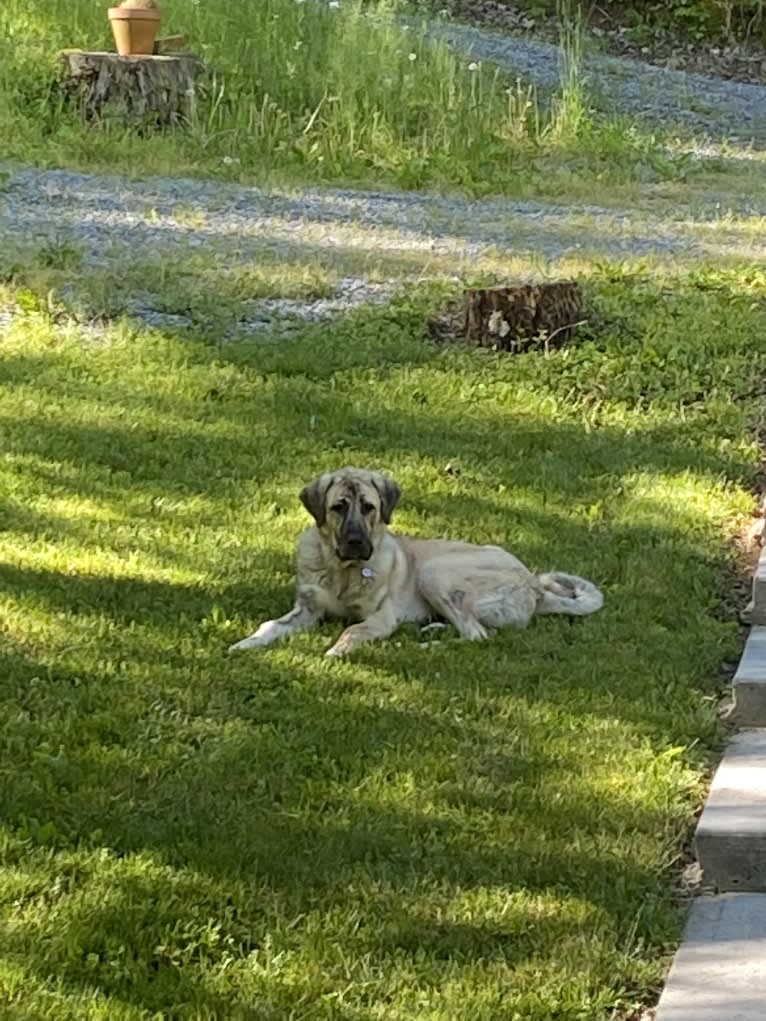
134 29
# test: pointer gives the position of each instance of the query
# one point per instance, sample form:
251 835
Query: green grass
304 91
454 831
429 832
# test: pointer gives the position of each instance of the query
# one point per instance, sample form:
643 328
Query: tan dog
351 566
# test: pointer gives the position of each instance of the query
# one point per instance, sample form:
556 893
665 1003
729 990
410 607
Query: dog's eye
340 506
368 508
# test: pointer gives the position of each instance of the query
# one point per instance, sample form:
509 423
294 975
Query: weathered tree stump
155 90
517 318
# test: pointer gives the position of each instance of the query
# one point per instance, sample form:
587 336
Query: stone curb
731 835
758 611
719 971
749 685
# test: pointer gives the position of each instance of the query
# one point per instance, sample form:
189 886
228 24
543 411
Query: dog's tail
567 593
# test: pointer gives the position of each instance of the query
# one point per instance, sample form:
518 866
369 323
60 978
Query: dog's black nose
355 547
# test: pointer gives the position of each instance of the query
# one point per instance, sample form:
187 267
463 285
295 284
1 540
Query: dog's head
351 508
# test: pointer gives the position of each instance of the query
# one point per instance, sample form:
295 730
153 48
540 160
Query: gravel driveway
107 216
707 106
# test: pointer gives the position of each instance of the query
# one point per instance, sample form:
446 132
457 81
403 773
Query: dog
350 566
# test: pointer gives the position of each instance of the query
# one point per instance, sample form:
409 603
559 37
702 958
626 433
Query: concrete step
757 612
731 835
749 709
719 972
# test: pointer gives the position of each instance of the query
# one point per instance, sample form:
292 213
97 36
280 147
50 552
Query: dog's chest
356 592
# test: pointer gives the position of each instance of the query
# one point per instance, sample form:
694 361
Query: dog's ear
313 497
389 496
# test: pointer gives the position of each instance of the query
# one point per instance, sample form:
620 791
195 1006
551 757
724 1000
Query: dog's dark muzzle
354 545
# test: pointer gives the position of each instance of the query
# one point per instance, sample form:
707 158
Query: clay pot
134 29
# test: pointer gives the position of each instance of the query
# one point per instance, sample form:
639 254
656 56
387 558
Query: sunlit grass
327 92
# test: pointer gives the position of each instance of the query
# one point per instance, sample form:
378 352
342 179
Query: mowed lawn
427 831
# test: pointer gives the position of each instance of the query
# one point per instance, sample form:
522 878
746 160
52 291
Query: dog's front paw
251 642
267 633
342 647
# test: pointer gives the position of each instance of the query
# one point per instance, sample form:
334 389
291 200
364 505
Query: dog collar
367 572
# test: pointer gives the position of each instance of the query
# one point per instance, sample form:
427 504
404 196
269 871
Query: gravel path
706 106
109 219
107 216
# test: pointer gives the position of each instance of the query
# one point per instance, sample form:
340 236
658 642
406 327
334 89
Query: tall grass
571 113
310 90
334 90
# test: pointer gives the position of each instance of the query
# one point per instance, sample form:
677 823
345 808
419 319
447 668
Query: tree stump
157 90
517 318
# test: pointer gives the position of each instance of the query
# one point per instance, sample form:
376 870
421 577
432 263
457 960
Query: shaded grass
428 831
197 286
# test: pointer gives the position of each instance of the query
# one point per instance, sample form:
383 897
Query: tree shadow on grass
576 467
266 726
272 789
276 798
122 599
146 939
512 449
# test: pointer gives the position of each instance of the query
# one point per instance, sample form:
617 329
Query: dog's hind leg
450 600
304 615
506 605
480 593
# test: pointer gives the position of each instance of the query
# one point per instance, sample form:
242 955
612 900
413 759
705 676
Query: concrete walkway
719 972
